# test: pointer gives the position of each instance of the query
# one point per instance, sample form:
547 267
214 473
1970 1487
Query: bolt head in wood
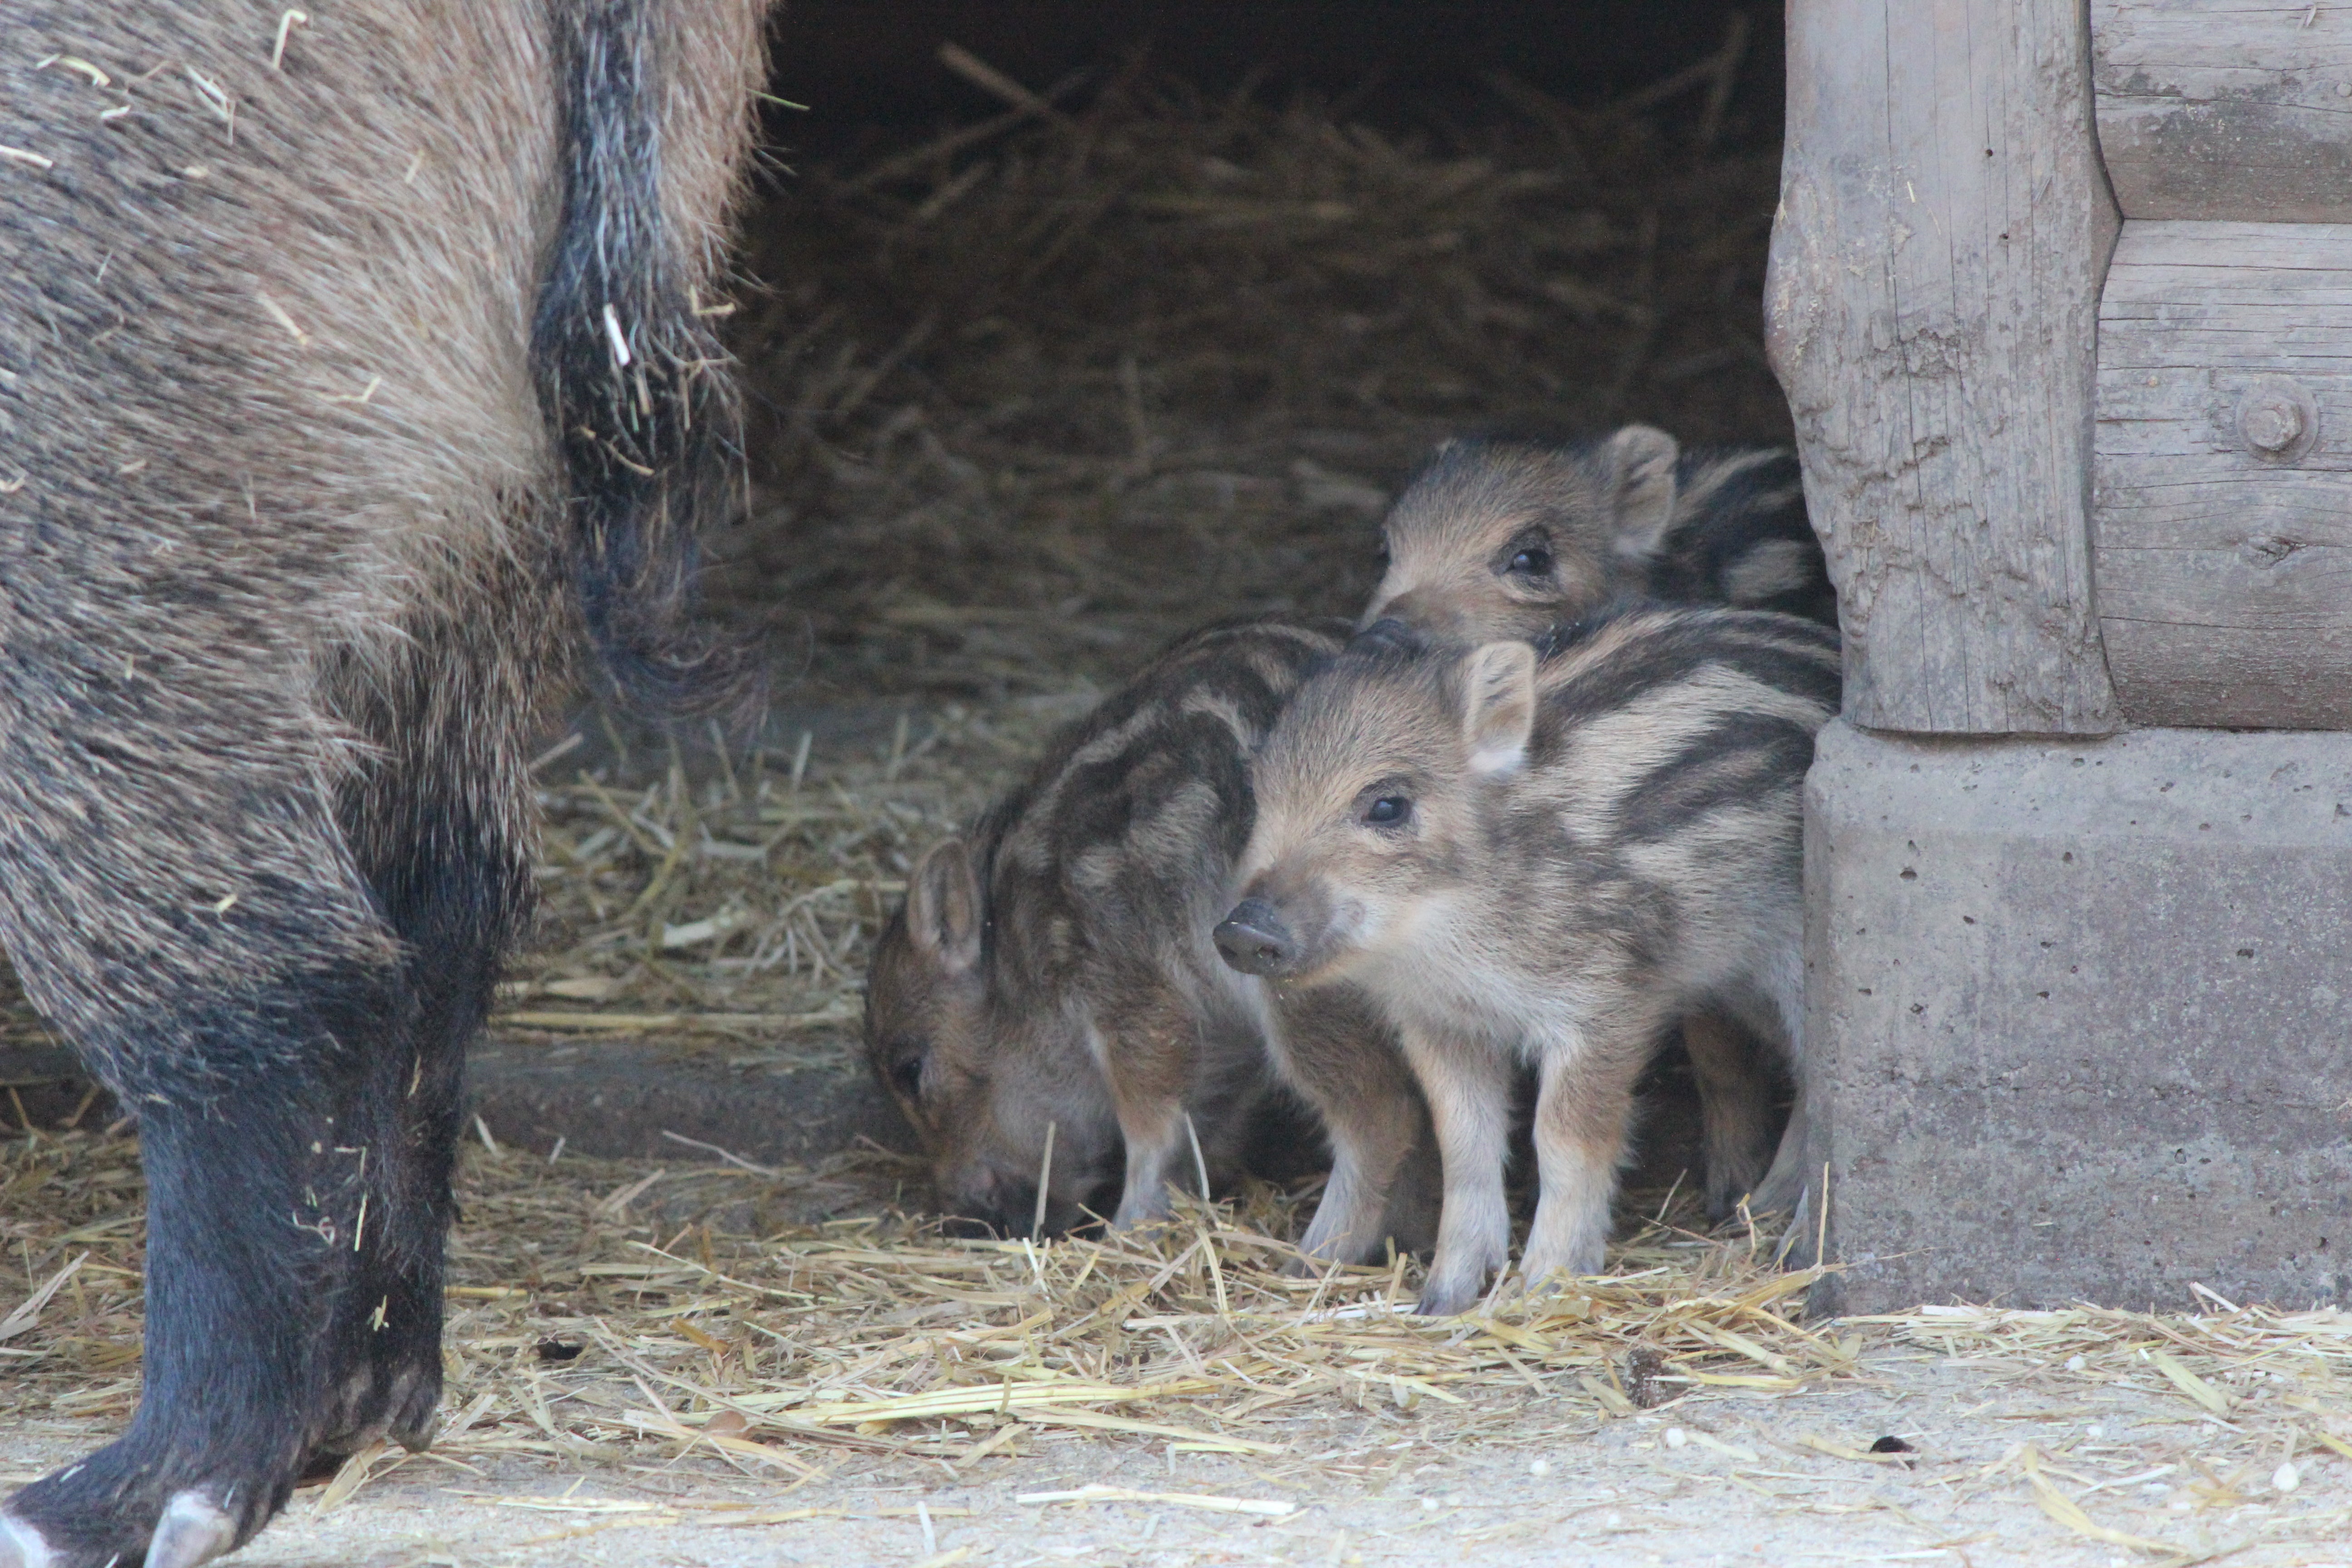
2277 419
2271 426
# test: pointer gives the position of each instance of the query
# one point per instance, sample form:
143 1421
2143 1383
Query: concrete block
2079 1016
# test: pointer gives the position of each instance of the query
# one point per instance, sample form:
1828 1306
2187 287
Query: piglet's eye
1389 811
1534 561
907 1077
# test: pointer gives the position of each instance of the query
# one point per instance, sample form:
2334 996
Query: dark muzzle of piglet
1255 940
988 1204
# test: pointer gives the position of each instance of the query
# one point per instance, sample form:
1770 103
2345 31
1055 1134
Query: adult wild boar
351 367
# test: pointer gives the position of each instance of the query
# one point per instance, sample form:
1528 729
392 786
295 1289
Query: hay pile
731 903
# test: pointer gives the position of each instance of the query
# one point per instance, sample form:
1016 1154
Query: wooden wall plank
2226 109
2225 554
1931 306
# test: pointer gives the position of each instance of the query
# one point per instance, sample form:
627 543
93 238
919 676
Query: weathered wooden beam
1931 303
2225 108
2223 496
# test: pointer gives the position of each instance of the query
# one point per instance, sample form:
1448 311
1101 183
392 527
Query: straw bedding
795 1326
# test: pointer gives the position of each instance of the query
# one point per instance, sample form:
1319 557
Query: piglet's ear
943 905
1640 502
1498 686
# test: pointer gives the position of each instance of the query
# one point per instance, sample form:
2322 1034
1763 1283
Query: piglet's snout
1255 940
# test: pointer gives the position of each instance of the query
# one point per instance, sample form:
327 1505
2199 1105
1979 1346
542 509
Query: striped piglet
1502 539
1047 1009
1542 859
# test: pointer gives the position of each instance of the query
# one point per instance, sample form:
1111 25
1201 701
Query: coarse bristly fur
1503 539
1047 1008
350 372
1543 862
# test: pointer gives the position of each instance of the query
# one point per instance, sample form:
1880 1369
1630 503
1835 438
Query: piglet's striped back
1740 536
1653 717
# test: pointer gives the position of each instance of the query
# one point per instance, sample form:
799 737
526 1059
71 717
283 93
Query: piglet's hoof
1799 1245
1541 1276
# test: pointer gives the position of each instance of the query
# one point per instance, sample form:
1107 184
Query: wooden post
2076 1018
1931 311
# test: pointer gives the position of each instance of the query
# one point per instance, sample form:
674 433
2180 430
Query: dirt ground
1620 1497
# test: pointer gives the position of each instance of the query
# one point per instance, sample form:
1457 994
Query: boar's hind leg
183 903
440 826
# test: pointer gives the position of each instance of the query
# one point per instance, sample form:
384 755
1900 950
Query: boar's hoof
193 1531
1254 940
21 1545
416 1411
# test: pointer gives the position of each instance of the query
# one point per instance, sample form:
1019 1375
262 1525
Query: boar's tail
629 376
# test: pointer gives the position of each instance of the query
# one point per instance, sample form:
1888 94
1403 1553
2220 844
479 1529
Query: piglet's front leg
1336 1050
1149 1052
1584 1113
1157 1155
1469 1085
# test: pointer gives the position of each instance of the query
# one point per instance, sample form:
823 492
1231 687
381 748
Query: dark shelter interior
1070 325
